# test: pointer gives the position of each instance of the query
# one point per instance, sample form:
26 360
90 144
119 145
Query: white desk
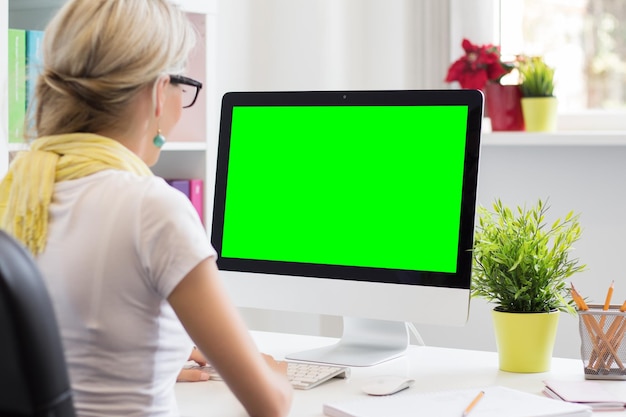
432 368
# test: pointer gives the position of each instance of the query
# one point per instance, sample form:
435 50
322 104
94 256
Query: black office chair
33 373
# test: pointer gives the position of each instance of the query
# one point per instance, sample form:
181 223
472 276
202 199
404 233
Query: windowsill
558 138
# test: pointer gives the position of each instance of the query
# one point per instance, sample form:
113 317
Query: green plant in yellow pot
521 264
539 105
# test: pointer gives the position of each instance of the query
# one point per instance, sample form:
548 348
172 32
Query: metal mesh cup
602 348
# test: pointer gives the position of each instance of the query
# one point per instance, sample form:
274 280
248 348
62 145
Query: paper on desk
591 393
497 402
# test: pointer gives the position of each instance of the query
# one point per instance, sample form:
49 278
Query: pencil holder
601 336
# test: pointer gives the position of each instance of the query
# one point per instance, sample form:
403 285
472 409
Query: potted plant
521 264
482 68
539 105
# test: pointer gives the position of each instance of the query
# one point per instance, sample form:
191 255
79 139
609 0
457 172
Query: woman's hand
278 366
194 375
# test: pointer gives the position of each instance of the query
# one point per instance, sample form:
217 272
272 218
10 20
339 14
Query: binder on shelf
180 185
17 84
496 402
196 195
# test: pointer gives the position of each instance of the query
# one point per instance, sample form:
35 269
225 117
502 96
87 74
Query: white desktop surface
432 368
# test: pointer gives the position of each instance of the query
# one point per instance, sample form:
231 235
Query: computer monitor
352 203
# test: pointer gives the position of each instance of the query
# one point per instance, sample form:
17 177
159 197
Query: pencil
578 299
617 335
602 357
616 322
607 303
471 405
582 306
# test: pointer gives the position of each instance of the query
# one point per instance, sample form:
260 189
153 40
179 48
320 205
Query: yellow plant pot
540 113
525 341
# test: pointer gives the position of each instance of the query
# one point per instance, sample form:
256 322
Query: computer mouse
386 385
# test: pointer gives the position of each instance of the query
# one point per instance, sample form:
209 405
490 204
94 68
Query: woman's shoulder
147 191
128 181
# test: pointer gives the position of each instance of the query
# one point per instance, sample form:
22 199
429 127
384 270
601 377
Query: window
585 40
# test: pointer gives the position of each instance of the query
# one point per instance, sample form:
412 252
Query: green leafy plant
537 78
520 262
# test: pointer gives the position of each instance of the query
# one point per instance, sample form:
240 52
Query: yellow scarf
26 190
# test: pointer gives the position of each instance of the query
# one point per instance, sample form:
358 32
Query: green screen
366 186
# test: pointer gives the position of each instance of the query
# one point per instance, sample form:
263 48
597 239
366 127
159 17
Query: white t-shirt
118 244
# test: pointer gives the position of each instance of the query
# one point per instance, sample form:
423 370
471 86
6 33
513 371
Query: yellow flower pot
525 341
540 113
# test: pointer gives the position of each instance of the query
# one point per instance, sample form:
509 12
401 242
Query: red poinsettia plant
479 65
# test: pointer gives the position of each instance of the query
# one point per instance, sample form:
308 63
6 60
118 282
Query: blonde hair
98 54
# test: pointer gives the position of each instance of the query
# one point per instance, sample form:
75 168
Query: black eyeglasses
190 95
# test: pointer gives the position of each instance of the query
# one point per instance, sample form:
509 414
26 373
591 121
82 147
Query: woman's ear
160 94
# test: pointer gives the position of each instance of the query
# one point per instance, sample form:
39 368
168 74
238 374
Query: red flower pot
503 105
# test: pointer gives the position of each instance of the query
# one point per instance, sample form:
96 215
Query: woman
129 268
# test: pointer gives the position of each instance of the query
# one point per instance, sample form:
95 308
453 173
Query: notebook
591 393
496 402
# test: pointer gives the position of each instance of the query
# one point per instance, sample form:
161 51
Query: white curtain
333 44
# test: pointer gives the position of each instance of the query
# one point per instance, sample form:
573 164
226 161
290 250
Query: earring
159 139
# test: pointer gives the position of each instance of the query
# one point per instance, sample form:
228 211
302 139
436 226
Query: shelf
15 147
560 138
184 146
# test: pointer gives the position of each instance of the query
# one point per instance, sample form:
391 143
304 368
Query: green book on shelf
17 84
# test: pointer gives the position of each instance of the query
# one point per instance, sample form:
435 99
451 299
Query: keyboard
308 375
302 375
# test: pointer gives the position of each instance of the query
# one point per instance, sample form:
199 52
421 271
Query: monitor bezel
461 279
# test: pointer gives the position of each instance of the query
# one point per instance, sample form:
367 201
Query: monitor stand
365 342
